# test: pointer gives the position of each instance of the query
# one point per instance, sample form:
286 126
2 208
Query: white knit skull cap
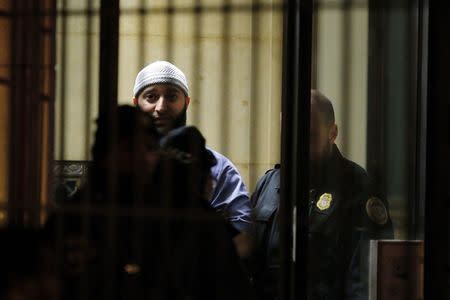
160 72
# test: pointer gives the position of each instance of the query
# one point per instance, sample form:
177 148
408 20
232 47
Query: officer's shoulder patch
275 167
376 210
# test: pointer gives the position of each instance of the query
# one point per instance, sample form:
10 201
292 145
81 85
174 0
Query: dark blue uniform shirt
344 214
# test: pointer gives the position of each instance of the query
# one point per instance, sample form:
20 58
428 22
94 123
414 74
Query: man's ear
135 101
188 100
333 133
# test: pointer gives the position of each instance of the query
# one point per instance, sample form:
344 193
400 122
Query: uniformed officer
344 213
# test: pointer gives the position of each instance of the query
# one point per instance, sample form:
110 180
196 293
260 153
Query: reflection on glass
360 171
345 212
364 201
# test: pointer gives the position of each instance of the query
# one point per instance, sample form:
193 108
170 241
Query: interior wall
232 61
77 65
233 65
341 58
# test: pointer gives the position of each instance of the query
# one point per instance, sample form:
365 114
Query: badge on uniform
376 210
324 201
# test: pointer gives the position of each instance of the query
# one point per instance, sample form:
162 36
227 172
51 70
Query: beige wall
241 123
345 83
77 61
240 113
239 119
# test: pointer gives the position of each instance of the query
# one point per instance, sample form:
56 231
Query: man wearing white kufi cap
161 89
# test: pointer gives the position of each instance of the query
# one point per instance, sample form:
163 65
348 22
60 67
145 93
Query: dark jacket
151 250
344 214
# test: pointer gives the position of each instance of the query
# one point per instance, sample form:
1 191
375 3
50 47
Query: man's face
166 104
322 137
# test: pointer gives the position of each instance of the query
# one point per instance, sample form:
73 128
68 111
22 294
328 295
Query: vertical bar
86 218
62 39
169 24
63 81
295 148
346 54
197 61
255 71
139 202
225 76
422 117
437 209
16 152
34 58
49 24
5 94
109 50
141 30
412 95
165 232
315 43
88 79
375 158
23 204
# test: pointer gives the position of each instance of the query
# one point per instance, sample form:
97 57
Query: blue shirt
230 195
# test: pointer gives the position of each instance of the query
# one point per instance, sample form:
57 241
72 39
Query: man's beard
178 121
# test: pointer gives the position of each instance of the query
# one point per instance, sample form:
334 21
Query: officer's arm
374 223
246 242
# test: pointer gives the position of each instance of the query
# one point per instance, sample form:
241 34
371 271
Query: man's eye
150 97
172 97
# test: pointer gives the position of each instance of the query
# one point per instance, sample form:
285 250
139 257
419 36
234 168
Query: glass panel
232 60
363 160
365 203
76 105
231 54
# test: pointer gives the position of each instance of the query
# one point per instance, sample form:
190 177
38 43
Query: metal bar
437 208
14 150
109 42
315 44
295 148
422 86
197 61
346 54
24 122
35 57
50 94
85 201
170 20
417 71
88 79
51 123
141 30
62 84
412 110
255 71
375 157
225 77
